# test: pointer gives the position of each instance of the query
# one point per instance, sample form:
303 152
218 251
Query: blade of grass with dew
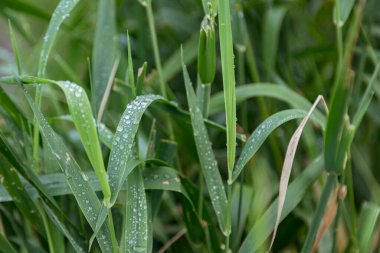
82 117
103 60
227 58
158 177
78 182
261 133
288 163
77 245
262 229
62 12
206 156
136 234
279 92
367 224
123 140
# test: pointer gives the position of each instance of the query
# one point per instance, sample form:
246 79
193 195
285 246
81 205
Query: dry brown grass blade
332 207
288 162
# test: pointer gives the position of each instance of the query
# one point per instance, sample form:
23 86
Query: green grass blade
136 234
60 14
77 245
11 108
158 177
261 133
272 24
104 51
141 79
264 226
279 92
6 246
80 110
25 7
12 183
78 182
206 156
227 58
345 8
367 224
190 52
123 141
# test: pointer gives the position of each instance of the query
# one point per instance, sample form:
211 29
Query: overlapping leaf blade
206 156
78 182
279 92
60 14
261 133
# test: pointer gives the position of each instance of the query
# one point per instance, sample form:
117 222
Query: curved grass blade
155 178
80 110
136 234
123 141
206 156
279 92
77 181
5 245
103 60
25 7
260 134
287 167
84 122
12 183
367 224
76 245
264 226
60 14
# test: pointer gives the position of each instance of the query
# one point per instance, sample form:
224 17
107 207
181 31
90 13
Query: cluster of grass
127 155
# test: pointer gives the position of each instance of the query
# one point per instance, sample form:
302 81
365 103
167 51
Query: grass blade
60 14
76 245
78 182
260 134
287 167
367 224
103 60
123 142
5 245
264 226
136 234
206 156
279 92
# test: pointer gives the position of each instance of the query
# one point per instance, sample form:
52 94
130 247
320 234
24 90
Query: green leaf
136 234
227 58
342 10
104 51
123 141
264 226
260 134
25 7
78 182
60 14
206 156
5 245
73 241
279 92
12 183
367 224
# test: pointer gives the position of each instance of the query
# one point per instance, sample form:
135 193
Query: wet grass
187 126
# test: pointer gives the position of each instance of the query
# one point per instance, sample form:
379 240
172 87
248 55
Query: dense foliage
189 126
